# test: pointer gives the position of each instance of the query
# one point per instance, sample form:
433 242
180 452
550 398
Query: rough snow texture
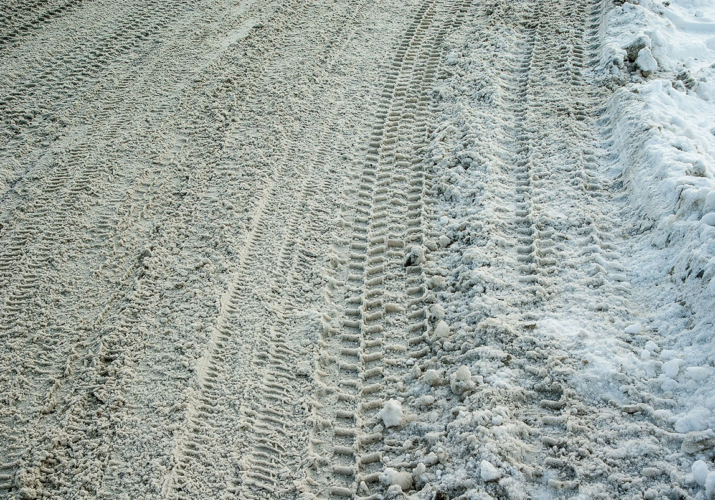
421 249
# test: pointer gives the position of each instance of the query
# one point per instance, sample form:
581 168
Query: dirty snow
420 249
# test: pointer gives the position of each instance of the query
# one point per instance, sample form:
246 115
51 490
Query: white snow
697 419
461 380
391 477
391 413
663 131
634 328
700 472
710 485
441 330
646 62
488 472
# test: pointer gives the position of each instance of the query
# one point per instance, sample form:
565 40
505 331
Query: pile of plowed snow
662 126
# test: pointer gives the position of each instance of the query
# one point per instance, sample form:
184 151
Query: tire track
535 248
377 283
336 425
403 290
272 383
128 266
50 86
267 459
540 250
19 19
553 164
542 237
115 346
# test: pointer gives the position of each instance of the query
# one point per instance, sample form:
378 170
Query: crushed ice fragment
710 485
671 368
415 257
646 62
431 377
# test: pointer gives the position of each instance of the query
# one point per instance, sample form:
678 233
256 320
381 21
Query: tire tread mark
63 190
374 278
14 26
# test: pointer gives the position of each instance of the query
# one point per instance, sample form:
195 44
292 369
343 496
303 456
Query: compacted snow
422 249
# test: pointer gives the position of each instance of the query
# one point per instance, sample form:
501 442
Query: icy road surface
289 249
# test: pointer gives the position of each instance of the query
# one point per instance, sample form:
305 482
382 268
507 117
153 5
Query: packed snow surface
417 249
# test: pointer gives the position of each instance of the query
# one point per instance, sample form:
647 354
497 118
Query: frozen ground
424 249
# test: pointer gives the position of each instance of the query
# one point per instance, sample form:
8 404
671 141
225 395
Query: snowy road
329 249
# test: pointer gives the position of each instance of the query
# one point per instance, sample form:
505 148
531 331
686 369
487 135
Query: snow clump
489 472
441 330
461 380
432 377
671 368
634 328
391 413
646 62
710 485
700 472
390 477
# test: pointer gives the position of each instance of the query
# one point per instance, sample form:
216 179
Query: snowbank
660 123
663 127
